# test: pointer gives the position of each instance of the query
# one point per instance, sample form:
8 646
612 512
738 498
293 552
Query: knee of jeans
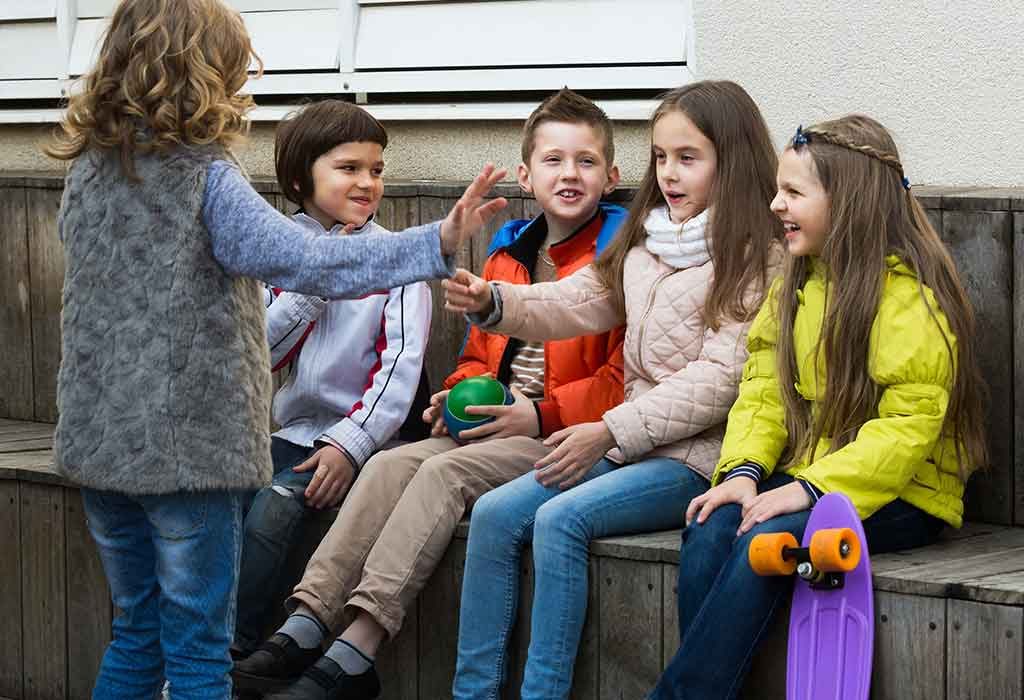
561 516
275 507
718 529
493 513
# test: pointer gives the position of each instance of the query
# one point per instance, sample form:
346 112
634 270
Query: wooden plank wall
54 600
984 228
57 615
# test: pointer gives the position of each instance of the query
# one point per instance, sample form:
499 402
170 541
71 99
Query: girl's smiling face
685 160
801 203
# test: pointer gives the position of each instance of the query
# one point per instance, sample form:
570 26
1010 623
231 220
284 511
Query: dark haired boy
356 364
402 513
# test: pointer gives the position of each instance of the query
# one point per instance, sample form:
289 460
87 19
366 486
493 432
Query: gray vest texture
164 382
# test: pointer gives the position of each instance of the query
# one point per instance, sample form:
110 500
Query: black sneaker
276 664
325 680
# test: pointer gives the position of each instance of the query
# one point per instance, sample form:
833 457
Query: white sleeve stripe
398 355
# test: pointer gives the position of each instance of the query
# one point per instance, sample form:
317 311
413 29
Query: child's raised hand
470 213
468 294
434 414
739 490
791 498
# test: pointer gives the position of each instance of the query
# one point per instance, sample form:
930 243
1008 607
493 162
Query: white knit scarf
677 245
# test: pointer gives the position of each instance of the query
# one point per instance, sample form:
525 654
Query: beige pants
396 523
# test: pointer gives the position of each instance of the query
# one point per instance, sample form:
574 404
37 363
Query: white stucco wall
947 78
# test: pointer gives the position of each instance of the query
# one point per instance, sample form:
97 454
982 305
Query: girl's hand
333 476
739 490
791 498
470 213
519 418
468 294
579 447
434 414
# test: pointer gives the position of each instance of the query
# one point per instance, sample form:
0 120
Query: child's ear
613 179
523 176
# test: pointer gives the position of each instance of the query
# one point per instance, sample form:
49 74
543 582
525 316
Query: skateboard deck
831 622
831 631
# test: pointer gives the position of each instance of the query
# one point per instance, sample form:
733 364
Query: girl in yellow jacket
861 379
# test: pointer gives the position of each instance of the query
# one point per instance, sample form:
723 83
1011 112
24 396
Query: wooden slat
767 677
984 651
910 647
669 613
10 591
46 262
398 213
439 624
24 430
446 328
26 444
654 546
630 627
982 246
39 461
1018 366
482 241
16 398
44 591
89 605
398 661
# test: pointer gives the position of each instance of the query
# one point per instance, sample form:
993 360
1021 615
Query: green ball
475 391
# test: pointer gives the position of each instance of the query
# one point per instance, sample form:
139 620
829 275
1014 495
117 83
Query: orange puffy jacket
583 375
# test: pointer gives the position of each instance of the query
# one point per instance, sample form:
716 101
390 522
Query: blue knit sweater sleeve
253 239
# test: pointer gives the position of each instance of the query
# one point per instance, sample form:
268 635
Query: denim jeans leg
271 530
132 665
198 543
715 575
500 526
641 497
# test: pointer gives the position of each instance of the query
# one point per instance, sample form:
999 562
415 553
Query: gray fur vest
164 383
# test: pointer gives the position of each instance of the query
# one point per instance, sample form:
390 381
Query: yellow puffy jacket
901 452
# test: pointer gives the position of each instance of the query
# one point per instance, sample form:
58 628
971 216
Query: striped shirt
528 362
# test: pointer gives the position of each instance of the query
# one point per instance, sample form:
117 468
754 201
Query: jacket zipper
647 312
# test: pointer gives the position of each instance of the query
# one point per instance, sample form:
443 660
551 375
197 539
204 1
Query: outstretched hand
470 213
468 294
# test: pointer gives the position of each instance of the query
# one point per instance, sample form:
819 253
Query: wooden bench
949 618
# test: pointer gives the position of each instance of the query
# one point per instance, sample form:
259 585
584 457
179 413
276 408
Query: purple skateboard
831 630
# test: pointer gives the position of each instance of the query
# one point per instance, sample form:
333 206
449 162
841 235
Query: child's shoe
325 680
276 664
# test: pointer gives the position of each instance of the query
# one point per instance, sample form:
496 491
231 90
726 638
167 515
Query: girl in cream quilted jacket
685 275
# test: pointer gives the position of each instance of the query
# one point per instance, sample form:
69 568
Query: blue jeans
272 529
171 562
641 497
715 578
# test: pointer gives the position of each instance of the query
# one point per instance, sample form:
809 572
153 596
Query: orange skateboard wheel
835 549
765 554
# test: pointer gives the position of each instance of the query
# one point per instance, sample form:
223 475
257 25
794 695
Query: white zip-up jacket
355 363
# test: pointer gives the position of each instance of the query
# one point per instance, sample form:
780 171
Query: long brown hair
873 215
743 227
168 69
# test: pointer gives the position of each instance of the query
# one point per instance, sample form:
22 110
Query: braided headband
802 138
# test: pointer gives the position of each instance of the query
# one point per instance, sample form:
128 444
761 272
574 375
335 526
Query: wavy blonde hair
168 73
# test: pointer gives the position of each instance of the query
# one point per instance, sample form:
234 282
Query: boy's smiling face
348 184
567 173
